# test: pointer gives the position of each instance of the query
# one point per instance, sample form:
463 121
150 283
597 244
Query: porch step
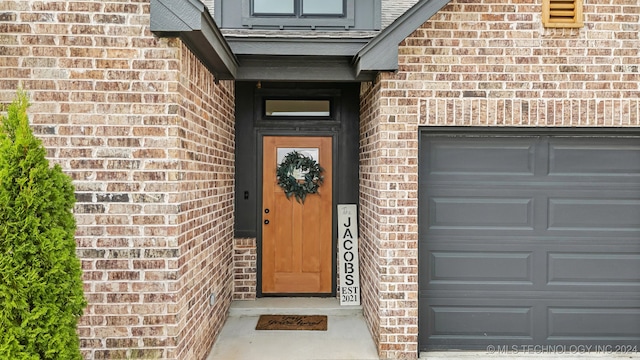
292 306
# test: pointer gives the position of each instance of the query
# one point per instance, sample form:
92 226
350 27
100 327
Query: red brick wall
148 138
477 63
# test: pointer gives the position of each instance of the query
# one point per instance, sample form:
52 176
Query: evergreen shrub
41 295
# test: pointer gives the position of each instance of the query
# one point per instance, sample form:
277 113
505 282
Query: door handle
266 222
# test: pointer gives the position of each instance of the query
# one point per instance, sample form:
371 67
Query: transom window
298 13
307 108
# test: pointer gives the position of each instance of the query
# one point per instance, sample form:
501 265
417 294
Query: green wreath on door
299 188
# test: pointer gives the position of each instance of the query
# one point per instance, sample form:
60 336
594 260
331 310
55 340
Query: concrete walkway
484 355
347 336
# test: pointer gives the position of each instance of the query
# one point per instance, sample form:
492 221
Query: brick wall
477 63
147 136
491 63
388 222
369 222
245 268
205 178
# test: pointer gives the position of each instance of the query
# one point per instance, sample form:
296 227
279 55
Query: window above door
295 108
298 13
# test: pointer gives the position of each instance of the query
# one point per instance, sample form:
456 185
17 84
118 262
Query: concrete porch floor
347 336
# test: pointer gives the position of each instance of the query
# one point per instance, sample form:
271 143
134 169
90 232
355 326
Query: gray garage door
529 240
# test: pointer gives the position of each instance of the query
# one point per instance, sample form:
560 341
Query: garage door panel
480 322
546 211
533 267
597 323
475 156
472 268
480 267
459 323
594 214
474 213
605 159
594 269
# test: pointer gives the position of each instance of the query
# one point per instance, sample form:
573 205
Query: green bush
41 296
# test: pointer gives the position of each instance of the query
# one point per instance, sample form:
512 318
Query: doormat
292 322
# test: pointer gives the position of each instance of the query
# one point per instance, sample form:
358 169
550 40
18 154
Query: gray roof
210 5
392 9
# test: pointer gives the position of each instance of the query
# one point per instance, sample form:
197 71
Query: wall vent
562 13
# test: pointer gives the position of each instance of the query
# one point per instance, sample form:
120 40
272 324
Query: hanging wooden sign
348 253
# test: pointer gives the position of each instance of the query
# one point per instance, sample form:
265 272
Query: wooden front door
296 237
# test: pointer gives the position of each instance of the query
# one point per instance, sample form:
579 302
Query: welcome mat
292 322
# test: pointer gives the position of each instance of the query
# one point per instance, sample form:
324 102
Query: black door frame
252 126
